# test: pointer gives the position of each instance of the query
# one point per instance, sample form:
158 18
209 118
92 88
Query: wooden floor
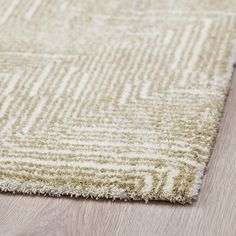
214 213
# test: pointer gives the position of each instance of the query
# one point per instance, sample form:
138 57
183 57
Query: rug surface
115 99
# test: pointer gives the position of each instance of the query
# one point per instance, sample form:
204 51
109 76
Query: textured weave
116 99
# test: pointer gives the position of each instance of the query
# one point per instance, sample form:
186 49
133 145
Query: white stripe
198 46
125 93
40 80
8 12
34 115
82 84
168 187
11 85
32 10
65 81
5 105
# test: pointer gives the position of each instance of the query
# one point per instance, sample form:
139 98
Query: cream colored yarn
115 99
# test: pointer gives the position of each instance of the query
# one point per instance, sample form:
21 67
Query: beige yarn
115 99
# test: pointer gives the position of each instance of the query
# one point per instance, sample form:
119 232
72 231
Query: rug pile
112 99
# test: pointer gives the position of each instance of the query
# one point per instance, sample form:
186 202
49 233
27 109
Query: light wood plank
214 213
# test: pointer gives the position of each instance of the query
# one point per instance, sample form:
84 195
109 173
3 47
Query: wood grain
214 213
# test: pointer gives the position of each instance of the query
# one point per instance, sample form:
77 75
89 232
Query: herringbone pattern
112 99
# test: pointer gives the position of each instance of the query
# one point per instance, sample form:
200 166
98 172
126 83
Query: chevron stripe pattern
112 99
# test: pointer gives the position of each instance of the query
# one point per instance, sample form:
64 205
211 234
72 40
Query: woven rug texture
112 99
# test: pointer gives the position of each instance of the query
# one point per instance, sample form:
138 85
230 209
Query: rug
112 99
